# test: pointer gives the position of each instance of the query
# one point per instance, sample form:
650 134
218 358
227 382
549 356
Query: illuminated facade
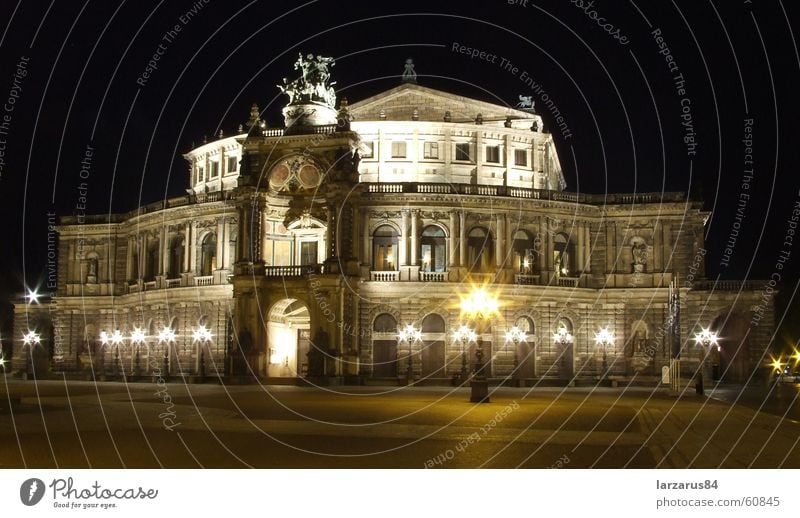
299 252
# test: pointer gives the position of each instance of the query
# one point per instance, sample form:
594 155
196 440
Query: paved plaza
135 425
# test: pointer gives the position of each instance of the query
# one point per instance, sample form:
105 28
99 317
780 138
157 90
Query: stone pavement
82 424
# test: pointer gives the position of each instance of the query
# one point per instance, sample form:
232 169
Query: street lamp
464 335
31 339
410 335
166 336
116 342
516 335
604 339
32 296
480 306
707 340
202 335
563 338
137 339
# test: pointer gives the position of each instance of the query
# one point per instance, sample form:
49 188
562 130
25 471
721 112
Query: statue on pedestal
639 252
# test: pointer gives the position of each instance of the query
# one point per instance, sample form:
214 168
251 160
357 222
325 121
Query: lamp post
603 339
409 335
481 307
30 339
2 356
166 336
516 336
137 339
562 337
116 342
202 335
706 339
464 335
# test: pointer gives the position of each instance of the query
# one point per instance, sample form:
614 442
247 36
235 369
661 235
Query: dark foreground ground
110 425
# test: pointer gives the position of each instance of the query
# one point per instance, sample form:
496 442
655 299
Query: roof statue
409 75
313 85
525 102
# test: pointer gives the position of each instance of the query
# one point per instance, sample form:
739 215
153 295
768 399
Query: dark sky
739 61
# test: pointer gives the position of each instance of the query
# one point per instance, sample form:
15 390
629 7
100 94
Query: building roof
400 102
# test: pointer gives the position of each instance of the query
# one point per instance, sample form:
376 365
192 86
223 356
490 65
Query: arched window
176 248
208 260
480 250
525 324
384 248
565 324
433 323
433 247
563 259
384 323
524 253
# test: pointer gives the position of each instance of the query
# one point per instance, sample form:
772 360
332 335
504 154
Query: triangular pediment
400 103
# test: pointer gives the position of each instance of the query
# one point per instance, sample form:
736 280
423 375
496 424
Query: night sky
734 66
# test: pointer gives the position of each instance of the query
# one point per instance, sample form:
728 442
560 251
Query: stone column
579 246
453 240
228 235
129 260
220 241
587 242
365 236
187 248
657 247
193 248
610 247
142 254
330 236
667 244
549 248
499 242
258 228
462 238
163 252
402 251
414 238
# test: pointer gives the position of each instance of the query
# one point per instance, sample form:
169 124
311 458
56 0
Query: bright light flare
201 334
516 335
31 338
480 304
137 336
166 335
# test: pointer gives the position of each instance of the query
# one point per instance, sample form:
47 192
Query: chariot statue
313 85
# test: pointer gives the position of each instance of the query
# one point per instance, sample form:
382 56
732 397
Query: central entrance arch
288 339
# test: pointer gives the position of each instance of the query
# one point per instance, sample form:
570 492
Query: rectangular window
214 169
399 149
200 174
462 152
370 152
521 157
431 151
233 164
308 252
493 154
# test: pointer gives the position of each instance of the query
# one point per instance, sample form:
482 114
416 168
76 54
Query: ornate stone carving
295 174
